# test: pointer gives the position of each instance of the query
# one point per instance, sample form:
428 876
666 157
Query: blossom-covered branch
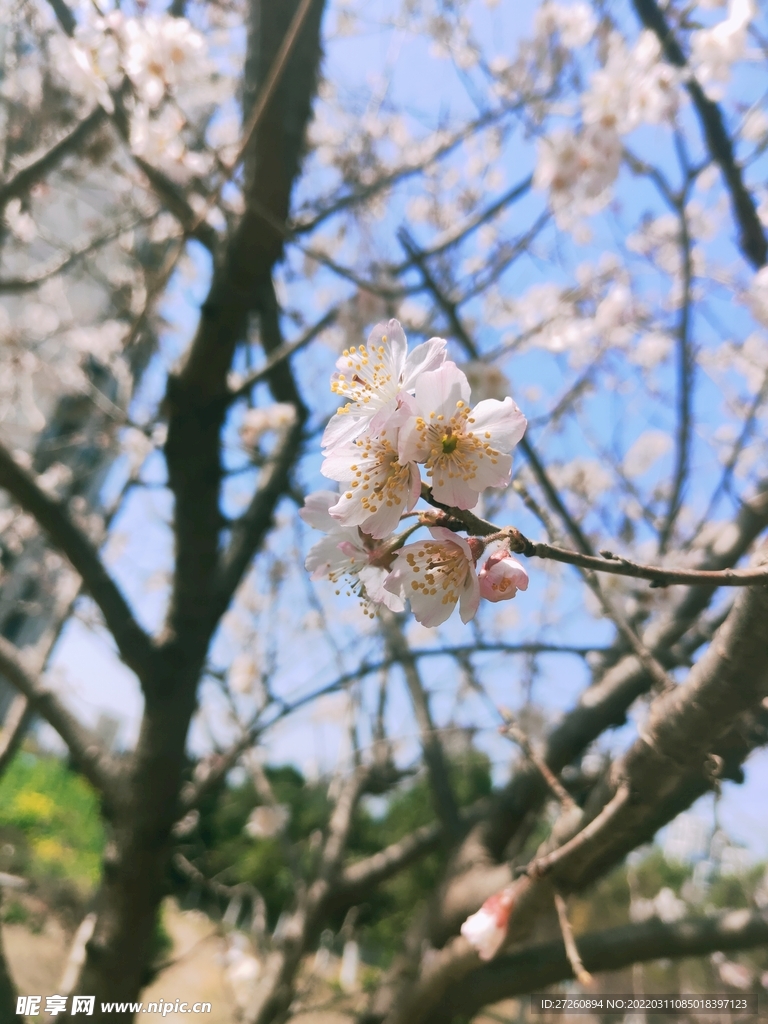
403 411
617 565
752 235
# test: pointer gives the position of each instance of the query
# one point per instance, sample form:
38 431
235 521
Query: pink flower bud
501 577
487 929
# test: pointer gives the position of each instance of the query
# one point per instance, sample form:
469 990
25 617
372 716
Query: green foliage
655 872
604 905
232 856
50 822
14 912
224 850
735 891
160 949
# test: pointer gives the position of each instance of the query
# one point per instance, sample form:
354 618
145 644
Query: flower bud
501 577
487 929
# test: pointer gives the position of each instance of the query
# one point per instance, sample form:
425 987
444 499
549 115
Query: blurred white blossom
649 447
574 23
664 905
715 50
263 419
20 222
267 821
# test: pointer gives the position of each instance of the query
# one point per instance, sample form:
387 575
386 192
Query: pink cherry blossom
487 929
346 553
434 575
376 487
464 450
501 577
372 377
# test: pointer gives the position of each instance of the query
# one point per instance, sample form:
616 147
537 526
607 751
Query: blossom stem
403 537
659 576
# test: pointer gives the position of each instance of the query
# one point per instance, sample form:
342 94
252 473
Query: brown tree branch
197 404
609 563
357 879
534 968
251 528
15 725
686 370
23 180
167 191
455 235
515 733
134 645
7 986
198 396
602 706
282 353
96 763
571 949
443 795
275 993
684 727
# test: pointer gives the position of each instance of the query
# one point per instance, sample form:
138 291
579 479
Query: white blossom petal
377 487
372 377
463 452
502 422
373 579
434 575
315 511
501 577
423 359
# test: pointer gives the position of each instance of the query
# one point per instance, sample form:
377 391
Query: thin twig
571 951
616 565
685 383
283 353
514 732
543 865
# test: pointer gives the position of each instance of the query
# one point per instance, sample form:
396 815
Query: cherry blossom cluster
159 55
403 411
633 87
714 50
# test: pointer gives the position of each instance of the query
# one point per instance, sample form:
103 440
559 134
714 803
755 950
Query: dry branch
609 562
538 966
95 762
135 646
